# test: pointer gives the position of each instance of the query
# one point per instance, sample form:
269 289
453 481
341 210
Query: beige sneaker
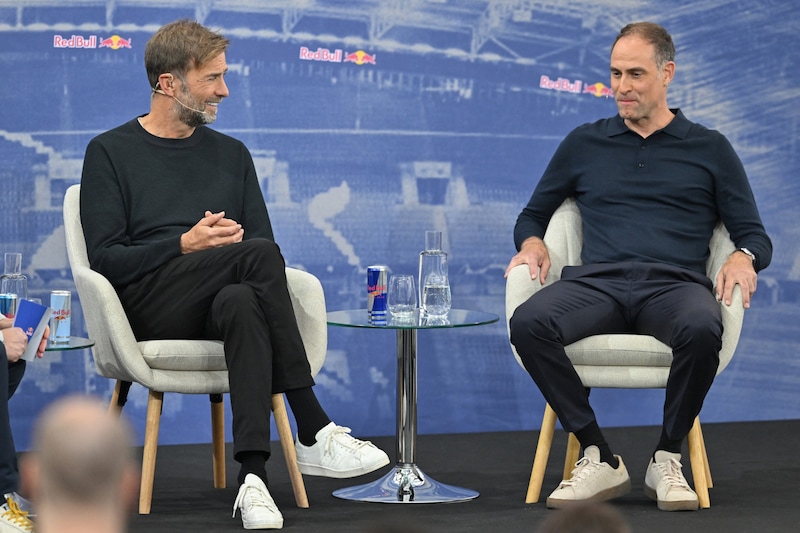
665 483
591 481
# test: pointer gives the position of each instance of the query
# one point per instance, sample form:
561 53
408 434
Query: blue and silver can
8 304
377 279
60 323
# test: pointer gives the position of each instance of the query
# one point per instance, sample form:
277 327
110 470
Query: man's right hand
15 341
212 231
533 253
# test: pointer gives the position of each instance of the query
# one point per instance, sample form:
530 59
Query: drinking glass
402 296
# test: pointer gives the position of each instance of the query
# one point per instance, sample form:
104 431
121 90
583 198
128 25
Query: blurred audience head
589 517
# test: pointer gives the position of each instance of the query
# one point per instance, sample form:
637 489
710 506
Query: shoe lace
672 473
256 495
584 468
16 516
341 436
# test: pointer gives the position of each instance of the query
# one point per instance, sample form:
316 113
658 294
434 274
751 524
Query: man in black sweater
174 217
650 186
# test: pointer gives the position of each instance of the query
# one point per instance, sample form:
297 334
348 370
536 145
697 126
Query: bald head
82 453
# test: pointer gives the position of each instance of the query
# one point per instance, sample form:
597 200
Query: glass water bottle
13 281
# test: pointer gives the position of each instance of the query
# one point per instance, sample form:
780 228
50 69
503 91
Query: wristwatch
748 252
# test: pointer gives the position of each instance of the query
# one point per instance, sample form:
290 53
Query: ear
129 487
668 72
29 475
165 83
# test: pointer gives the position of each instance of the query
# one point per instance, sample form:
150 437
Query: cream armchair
618 361
183 366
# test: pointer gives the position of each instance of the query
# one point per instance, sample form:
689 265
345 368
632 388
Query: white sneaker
24 504
258 508
337 454
12 519
664 482
591 481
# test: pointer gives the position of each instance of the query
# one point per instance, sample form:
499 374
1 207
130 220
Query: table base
406 483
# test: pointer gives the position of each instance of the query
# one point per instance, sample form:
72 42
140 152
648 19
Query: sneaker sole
679 505
315 470
264 525
605 495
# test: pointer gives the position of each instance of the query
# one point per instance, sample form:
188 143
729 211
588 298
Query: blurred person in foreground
651 186
586 517
16 512
81 472
174 217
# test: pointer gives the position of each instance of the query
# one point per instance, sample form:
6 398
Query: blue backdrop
371 121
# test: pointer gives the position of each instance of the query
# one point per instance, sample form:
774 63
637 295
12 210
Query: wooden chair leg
702 439
218 440
154 402
287 443
573 449
542 454
699 461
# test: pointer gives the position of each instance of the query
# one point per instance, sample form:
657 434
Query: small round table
406 482
75 343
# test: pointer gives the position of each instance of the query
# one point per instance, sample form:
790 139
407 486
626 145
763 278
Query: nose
222 88
623 85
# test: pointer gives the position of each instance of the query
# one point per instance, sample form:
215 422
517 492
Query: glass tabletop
456 318
75 343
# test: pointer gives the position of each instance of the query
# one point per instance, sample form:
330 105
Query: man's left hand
737 270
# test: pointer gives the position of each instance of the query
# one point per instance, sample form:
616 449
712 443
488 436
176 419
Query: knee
529 323
702 331
264 252
235 298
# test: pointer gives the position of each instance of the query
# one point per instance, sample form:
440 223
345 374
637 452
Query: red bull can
376 293
60 323
8 305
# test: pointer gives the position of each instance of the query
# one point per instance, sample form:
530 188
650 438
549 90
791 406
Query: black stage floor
754 465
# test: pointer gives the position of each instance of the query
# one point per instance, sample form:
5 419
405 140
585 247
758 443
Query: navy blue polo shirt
651 200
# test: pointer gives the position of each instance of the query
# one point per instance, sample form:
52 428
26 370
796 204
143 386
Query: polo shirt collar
679 127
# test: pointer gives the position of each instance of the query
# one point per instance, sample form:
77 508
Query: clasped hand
212 231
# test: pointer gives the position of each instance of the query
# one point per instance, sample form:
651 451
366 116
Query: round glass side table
406 482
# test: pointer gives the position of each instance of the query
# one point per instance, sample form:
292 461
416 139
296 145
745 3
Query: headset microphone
189 108
158 90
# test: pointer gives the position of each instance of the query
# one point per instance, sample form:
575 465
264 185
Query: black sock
592 436
667 444
253 462
308 413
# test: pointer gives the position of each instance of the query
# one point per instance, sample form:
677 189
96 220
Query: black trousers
237 294
10 377
674 305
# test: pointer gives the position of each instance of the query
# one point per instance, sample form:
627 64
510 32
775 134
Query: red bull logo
115 42
599 90
360 57
564 85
